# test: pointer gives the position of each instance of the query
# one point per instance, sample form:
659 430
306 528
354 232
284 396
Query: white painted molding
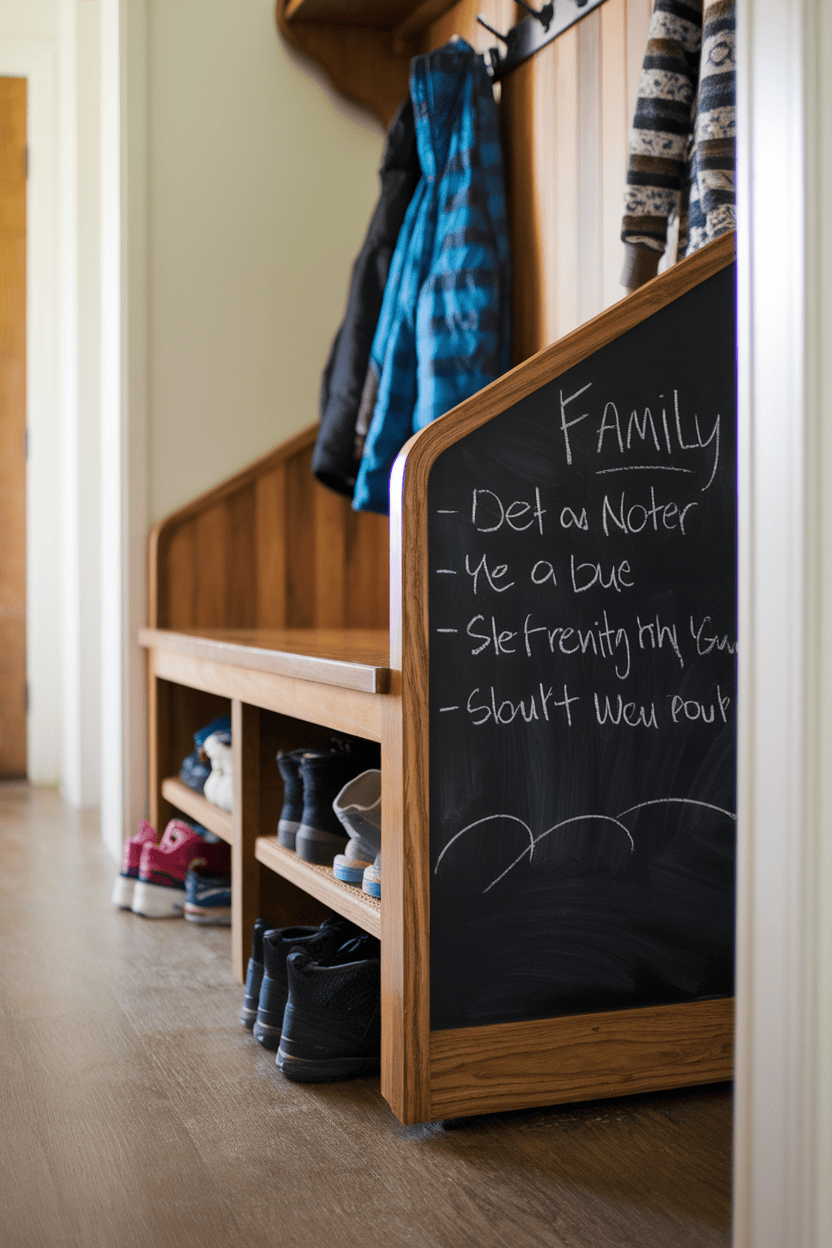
782 1173
123 418
36 60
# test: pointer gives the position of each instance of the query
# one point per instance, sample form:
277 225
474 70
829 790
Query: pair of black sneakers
312 779
313 994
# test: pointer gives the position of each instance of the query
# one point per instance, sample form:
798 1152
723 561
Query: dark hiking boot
332 1021
320 942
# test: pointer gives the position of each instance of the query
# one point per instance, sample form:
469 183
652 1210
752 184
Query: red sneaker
160 890
125 884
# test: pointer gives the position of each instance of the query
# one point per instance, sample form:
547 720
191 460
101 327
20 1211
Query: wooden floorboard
135 1111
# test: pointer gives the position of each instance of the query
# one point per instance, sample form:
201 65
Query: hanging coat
681 162
444 328
339 444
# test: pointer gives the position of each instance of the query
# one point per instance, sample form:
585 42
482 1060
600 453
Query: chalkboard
582 612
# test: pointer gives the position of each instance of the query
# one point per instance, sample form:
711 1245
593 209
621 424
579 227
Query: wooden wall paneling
615 126
589 185
330 524
211 565
366 570
270 509
528 127
240 521
299 538
567 176
177 578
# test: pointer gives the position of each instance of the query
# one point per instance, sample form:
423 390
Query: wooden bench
269 598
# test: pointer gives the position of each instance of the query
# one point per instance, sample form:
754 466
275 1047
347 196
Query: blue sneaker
207 897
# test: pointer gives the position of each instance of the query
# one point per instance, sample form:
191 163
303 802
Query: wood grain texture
197 807
350 710
615 124
269 547
580 1057
358 59
137 1111
320 882
380 13
349 658
12 426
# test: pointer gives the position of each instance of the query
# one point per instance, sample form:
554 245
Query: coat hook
491 29
544 15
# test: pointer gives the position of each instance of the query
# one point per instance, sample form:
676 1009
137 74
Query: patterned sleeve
661 133
713 194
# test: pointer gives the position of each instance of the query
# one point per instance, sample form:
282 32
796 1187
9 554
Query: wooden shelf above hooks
364 46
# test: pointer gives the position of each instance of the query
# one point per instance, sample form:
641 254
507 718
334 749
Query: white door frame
783 1114
36 61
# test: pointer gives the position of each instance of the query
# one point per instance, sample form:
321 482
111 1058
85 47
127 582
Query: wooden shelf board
345 899
349 658
382 14
198 807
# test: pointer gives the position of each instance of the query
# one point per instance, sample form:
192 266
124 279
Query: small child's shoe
125 884
160 890
207 896
219 787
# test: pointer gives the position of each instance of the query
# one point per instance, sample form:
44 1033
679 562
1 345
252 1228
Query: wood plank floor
135 1112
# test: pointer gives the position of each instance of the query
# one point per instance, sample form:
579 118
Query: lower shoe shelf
198 807
319 882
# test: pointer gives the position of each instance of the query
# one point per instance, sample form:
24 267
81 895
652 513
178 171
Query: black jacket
339 445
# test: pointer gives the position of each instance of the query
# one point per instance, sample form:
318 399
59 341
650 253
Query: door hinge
26 162
26 443
26 697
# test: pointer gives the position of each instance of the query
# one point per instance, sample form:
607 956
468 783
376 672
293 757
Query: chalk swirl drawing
616 820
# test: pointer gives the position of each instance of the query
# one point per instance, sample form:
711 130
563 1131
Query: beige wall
260 189
28 19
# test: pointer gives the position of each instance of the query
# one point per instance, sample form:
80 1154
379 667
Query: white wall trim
36 60
782 1094
123 417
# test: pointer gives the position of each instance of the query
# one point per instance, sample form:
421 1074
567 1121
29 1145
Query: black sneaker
321 835
320 942
254 974
288 764
332 1022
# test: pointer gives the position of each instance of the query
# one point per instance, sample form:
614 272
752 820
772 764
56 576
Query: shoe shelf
458 1036
199 808
320 882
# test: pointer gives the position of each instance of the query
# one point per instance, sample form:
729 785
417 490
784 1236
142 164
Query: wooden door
12 426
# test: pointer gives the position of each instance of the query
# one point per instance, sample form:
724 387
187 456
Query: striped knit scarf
681 162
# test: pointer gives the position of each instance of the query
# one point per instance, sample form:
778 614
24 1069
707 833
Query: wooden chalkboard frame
425 1074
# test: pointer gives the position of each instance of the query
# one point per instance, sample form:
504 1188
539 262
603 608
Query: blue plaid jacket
444 327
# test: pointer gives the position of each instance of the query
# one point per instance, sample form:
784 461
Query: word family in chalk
667 433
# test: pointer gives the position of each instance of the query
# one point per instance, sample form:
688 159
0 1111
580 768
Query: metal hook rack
533 33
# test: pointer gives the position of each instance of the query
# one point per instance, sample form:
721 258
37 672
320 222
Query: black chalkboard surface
582 608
